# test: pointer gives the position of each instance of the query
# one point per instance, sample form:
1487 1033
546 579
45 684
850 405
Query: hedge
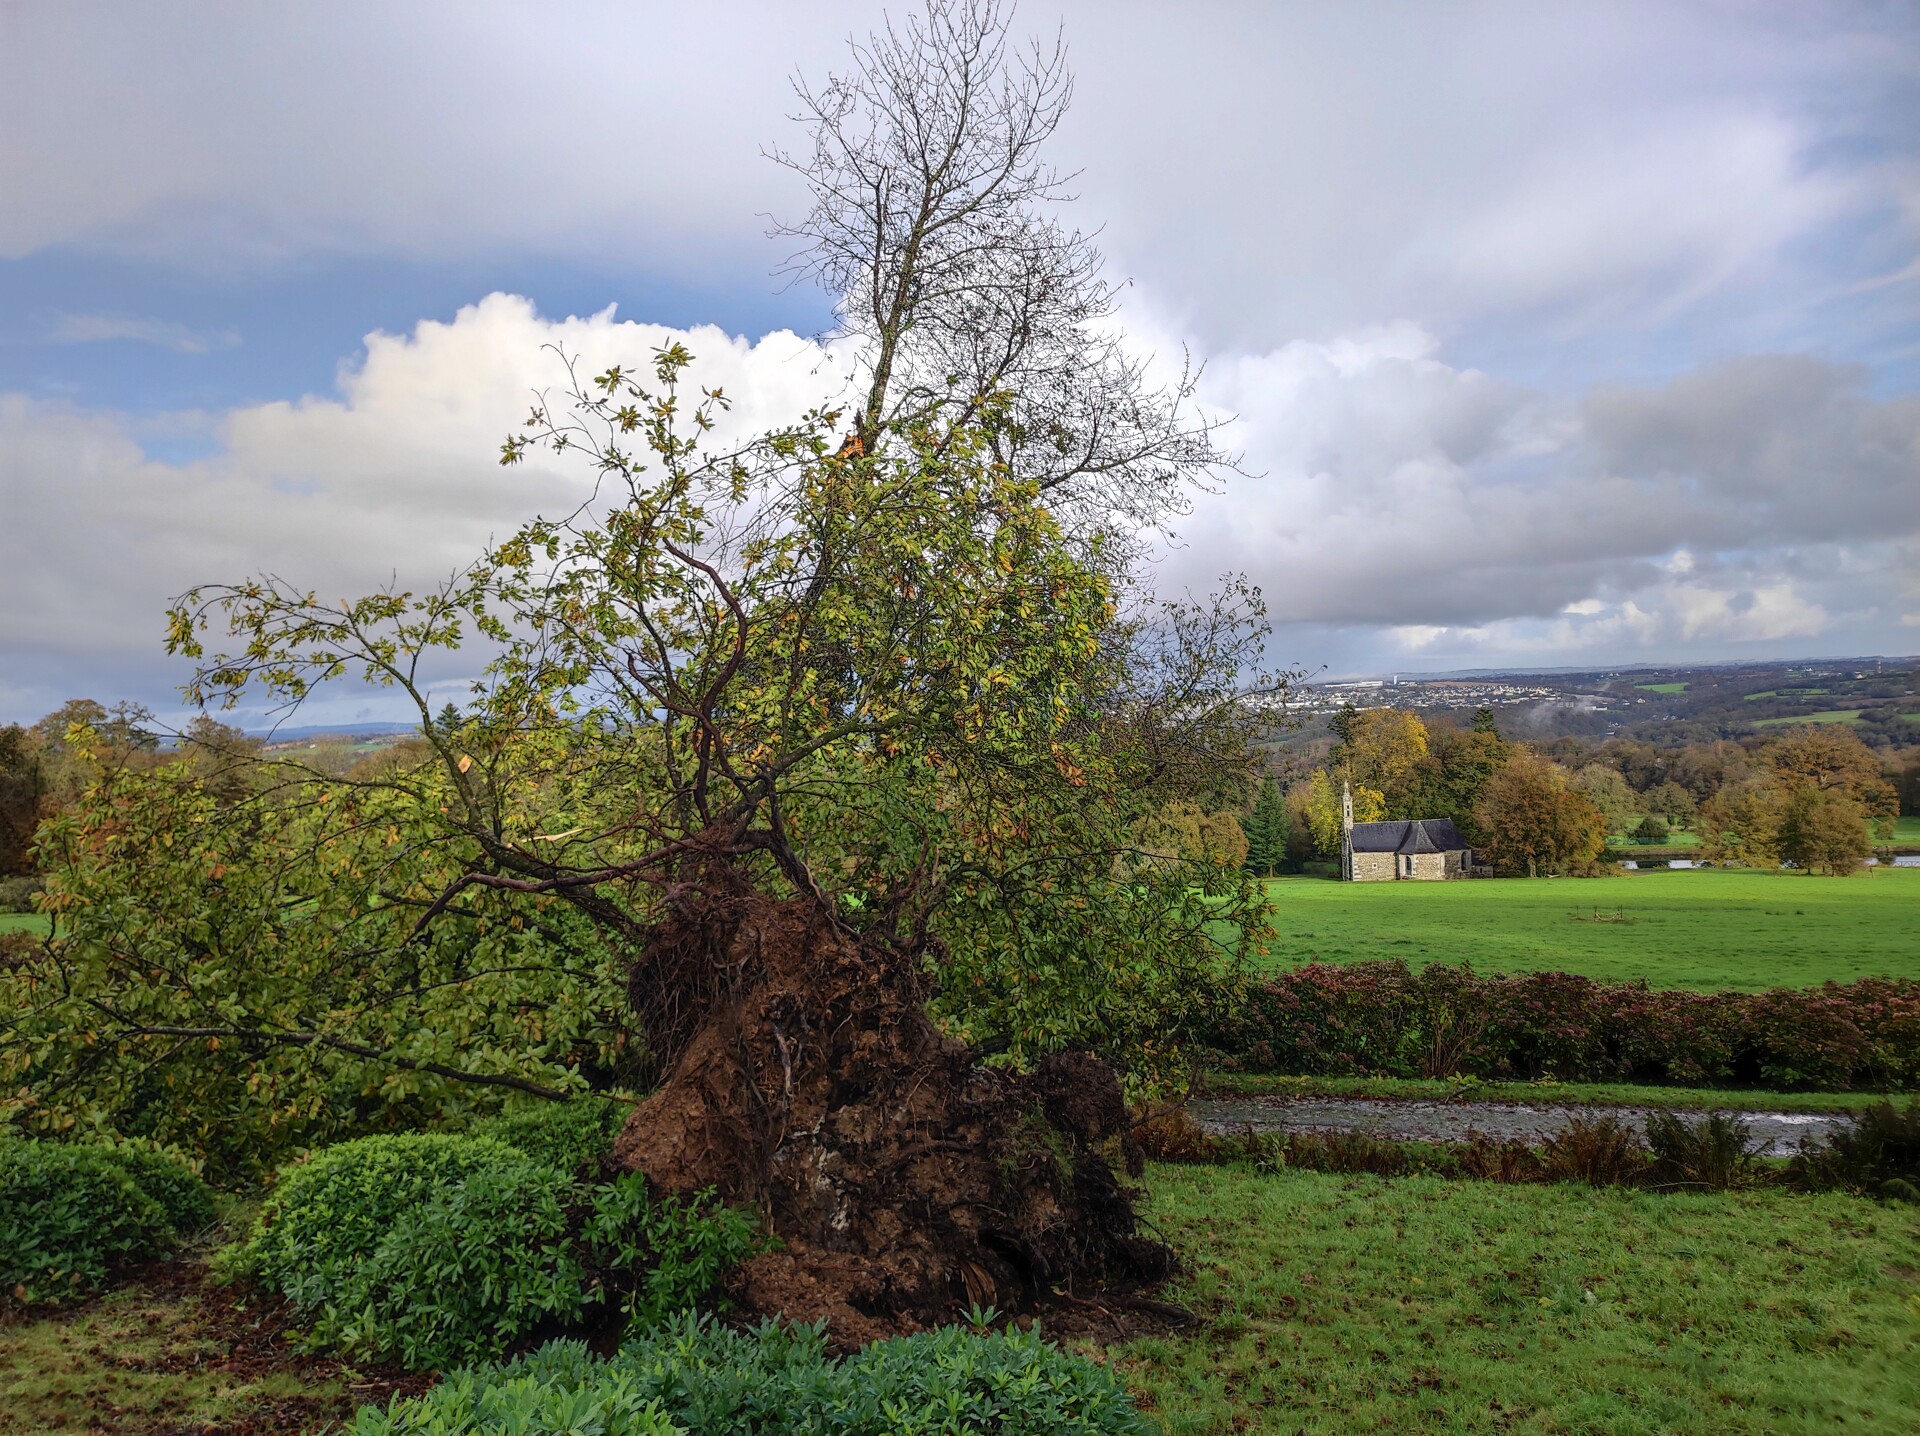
1384 1019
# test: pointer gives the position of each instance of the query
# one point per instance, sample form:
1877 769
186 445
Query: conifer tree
1266 828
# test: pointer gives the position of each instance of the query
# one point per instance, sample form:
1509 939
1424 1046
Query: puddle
1455 1121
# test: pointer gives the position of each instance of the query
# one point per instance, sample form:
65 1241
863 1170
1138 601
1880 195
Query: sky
1571 334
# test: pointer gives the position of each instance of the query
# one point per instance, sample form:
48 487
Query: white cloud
394 475
163 334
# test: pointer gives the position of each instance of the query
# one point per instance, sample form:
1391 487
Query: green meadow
23 922
1352 1303
1703 929
1661 687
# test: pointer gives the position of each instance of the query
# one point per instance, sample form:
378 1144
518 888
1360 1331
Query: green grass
1598 1094
1676 838
1906 831
1704 929
1662 687
1825 715
1788 693
1346 1304
24 922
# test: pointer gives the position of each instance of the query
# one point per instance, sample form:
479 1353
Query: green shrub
436 1250
1714 1152
1602 1150
569 1135
187 1201
1878 1152
70 1215
327 1214
1652 830
466 1272
779 1380
679 1250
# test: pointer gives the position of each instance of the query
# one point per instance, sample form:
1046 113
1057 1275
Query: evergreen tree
1266 829
1483 721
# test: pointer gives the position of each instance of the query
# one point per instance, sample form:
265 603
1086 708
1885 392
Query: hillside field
22 922
1707 930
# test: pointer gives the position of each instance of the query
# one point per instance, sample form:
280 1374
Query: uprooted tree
832 745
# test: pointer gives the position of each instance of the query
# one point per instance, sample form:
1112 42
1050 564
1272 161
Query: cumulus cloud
394 475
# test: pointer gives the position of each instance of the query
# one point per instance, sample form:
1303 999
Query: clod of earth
805 1078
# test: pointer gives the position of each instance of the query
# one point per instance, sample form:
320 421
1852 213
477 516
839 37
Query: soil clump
803 1076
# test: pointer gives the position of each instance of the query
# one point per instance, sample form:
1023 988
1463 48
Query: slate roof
1413 835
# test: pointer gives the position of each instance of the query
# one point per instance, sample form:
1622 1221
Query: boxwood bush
71 1214
777 1381
572 1135
435 1250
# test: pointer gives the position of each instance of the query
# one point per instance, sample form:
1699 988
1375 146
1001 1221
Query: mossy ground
164 1353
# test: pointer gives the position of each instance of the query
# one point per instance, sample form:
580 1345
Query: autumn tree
23 788
1828 757
1741 823
1608 792
1533 820
1381 749
1321 801
831 745
1823 830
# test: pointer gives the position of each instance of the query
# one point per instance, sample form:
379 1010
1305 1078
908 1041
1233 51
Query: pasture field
1339 1304
24 922
1661 687
1704 929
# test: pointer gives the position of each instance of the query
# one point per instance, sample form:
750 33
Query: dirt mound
804 1077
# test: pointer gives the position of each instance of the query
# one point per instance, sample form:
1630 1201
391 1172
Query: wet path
1455 1121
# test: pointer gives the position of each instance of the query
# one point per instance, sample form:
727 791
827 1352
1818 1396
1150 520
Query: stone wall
1373 867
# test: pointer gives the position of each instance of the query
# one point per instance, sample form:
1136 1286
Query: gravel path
1455 1121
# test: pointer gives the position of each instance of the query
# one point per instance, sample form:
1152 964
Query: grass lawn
1346 1304
23 922
1703 929
1600 1094
1906 831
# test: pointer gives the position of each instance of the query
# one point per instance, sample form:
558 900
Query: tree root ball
805 1078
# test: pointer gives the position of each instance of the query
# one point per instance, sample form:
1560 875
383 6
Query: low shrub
436 1250
18 892
1713 1152
73 1214
1602 1151
773 1381
572 1136
1383 1018
1877 1152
